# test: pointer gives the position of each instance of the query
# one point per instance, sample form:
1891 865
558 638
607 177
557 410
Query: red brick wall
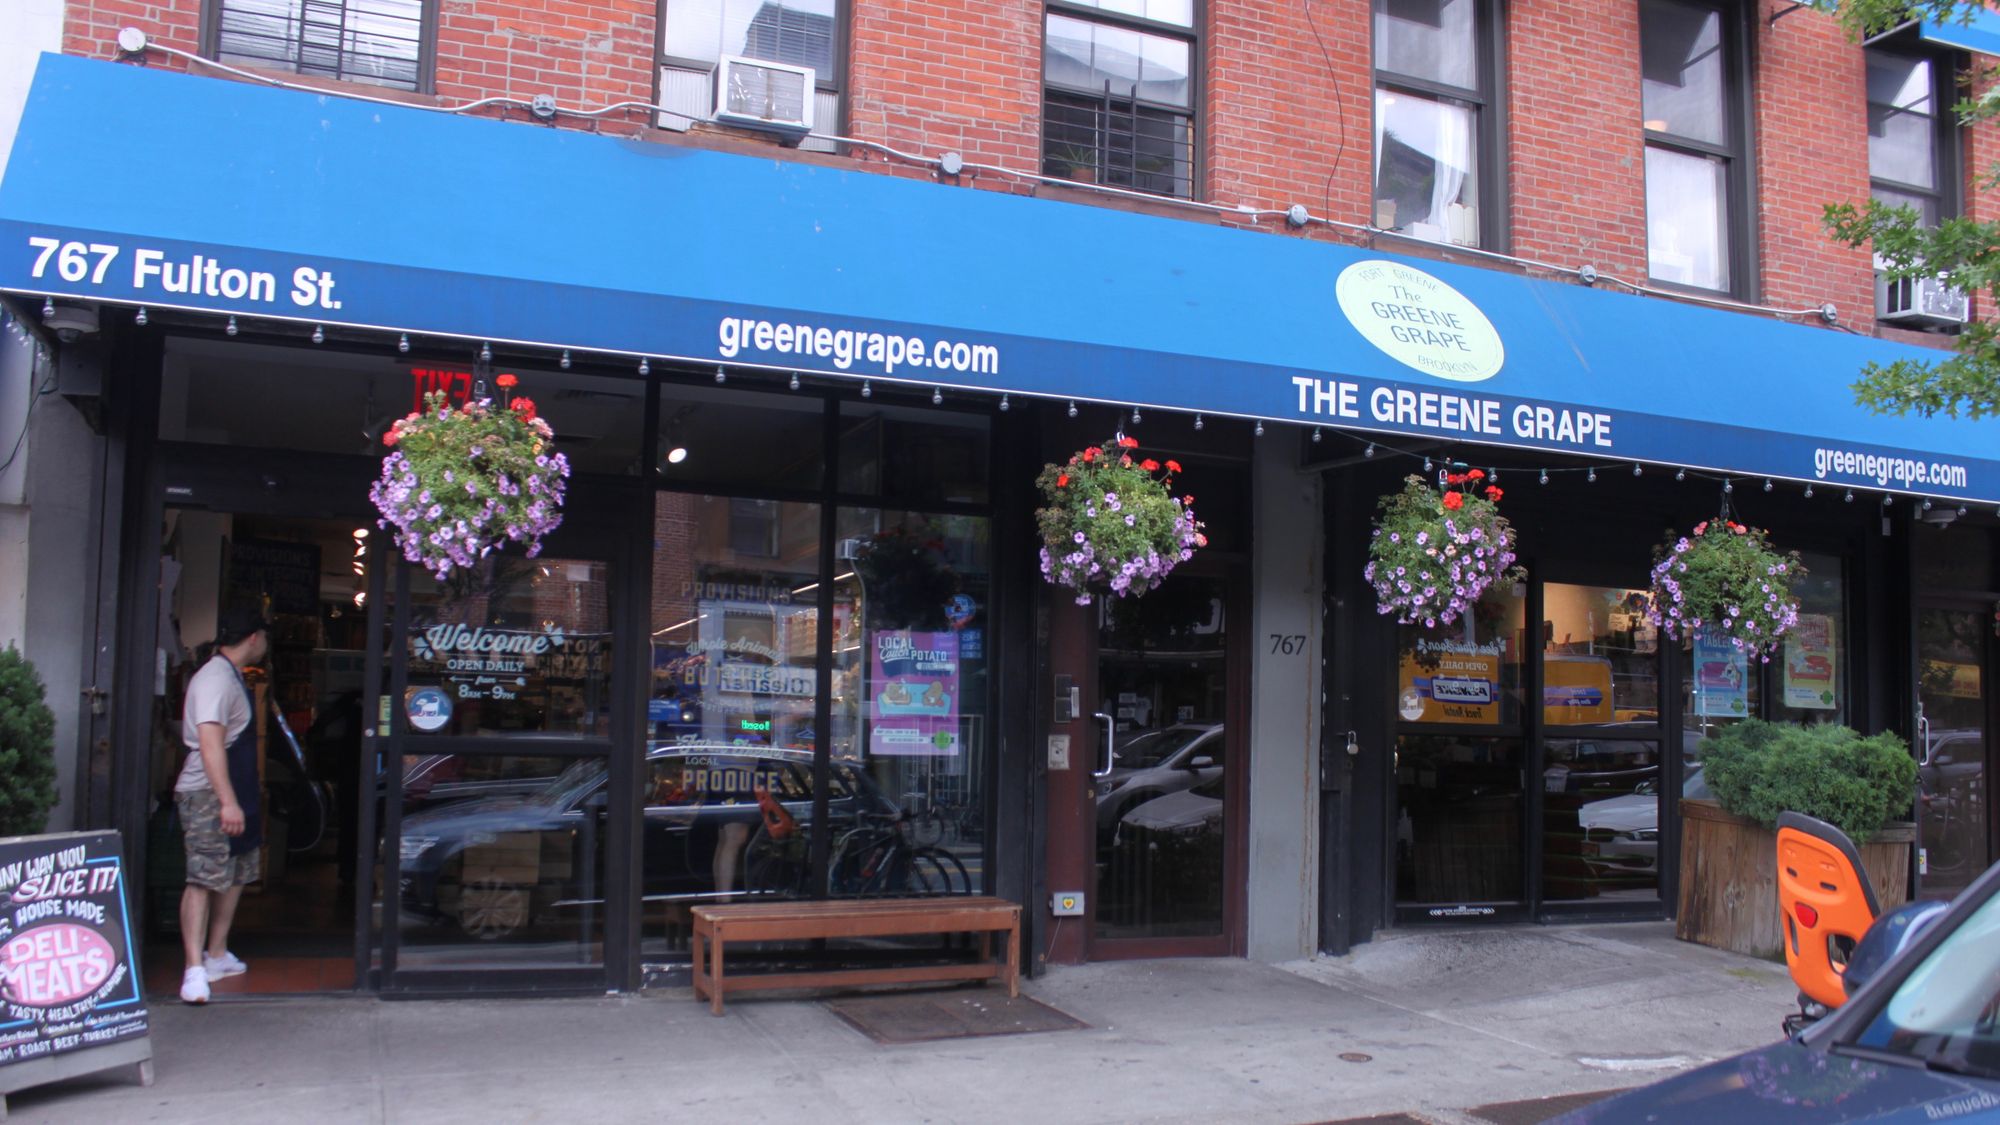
1278 124
1273 130
935 76
1578 185
1812 149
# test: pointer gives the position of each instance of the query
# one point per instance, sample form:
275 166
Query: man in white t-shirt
217 801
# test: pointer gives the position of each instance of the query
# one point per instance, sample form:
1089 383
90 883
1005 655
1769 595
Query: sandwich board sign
71 1000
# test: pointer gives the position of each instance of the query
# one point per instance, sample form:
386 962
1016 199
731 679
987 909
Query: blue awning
138 186
1979 33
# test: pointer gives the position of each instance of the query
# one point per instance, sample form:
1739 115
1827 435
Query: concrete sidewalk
1447 1020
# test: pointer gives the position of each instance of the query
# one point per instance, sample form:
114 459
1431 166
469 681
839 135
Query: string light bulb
867 389
141 318
1135 415
319 334
1072 408
1591 476
1637 468
645 365
565 359
1961 511
1850 496
1728 486
48 307
230 330
721 376
1316 435
1927 503
1368 452
1005 404
1680 474
1887 500
1808 492
1259 431
795 381
1427 464
1545 476
485 352
1198 423
937 396
1767 484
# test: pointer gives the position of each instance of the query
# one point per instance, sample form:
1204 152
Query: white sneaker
227 965
194 986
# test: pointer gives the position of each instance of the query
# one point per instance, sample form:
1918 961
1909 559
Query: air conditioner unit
773 97
1919 301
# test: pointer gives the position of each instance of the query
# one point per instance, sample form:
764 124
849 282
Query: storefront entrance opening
295 926
1958 649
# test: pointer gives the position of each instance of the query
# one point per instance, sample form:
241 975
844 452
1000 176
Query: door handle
1110 744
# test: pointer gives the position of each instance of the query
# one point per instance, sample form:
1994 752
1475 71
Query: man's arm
215 763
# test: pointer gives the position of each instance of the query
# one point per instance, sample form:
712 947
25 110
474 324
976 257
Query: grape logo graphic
1419 321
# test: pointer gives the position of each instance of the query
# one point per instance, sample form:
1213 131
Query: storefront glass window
1458 831
1600 656
1954 558
912 455
911 622
1470 672
730 711
740 439
502 863
1810 670
516 646
245 396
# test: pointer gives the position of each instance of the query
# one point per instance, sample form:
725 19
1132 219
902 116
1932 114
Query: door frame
1234 571
1989 665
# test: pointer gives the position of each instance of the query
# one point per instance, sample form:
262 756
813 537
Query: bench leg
715 973
1014 960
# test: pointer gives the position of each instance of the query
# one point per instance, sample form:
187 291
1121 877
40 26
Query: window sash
377 42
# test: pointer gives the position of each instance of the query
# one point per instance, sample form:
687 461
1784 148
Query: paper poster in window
1721 679
913 705
1457 681
1810 664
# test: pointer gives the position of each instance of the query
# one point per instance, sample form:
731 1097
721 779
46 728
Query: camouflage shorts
209 864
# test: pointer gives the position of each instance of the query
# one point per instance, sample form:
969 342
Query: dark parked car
494 865
1919 1042
1154 764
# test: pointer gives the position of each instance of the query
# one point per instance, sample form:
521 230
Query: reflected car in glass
497 864
1625 831
1154 764
1919 1042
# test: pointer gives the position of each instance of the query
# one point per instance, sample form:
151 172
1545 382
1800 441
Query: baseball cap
237 623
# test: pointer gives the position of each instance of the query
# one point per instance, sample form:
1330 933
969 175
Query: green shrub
1759 769
27 742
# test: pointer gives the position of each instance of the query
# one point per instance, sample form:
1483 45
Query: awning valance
137 186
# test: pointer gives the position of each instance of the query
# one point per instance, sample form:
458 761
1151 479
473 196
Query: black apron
243 776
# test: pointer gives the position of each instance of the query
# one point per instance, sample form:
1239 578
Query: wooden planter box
1729 878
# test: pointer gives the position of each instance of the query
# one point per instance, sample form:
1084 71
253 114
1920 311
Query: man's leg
194 922
222 913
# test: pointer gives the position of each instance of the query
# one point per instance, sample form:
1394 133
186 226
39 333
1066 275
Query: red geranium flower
1173 466
1124 458
1062 481
525 407
1493 492
1476 474
389 437
1129 442
1453 501
1092 454
1701 527
506 380
1150 465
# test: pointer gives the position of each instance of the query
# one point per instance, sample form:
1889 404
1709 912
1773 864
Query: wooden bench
716 926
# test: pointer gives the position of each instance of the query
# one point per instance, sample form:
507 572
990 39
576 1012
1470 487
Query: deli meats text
195 275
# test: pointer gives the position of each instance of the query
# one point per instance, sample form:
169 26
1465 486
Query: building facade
811 291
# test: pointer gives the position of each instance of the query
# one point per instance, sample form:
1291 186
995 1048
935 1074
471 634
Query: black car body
1919 1042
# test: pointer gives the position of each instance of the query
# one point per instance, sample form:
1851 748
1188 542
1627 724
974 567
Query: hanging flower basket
1434 553
1725 581
464 480
1113 524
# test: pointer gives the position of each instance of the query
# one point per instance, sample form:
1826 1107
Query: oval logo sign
1419 321
55 964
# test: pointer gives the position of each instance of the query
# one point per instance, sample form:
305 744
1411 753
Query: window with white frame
1690 93
1435 119
1118 94
377 42
699 33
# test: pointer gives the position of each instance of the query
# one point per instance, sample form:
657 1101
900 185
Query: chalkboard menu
68 978
286 572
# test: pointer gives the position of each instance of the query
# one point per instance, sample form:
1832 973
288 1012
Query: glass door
499 778
1954 733
1167 807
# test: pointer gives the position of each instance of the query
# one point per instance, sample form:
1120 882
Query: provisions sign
69 983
